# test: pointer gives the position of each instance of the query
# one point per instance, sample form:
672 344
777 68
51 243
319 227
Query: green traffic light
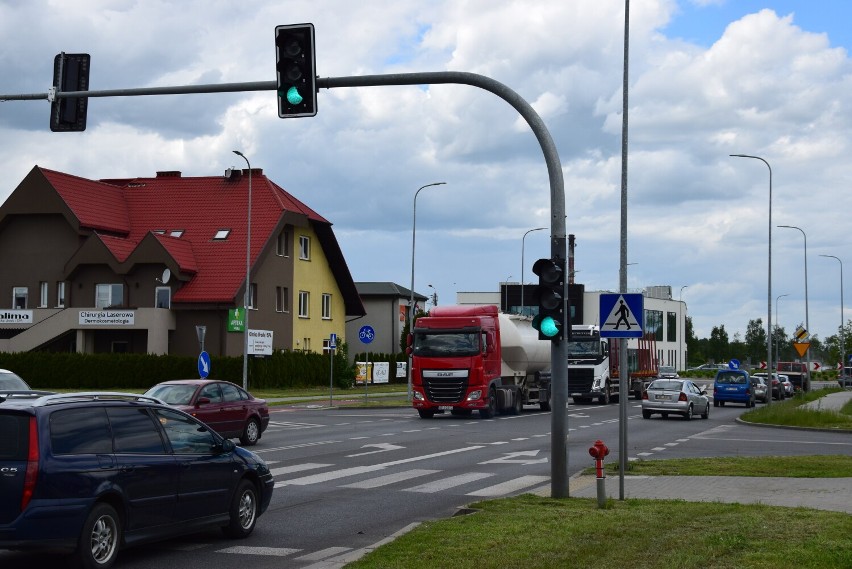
548 327
293 96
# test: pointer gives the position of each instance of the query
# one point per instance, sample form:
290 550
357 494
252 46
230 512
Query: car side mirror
228 445
202 401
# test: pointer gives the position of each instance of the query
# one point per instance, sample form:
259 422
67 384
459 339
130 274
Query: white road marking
390 479
510 486
246 550
446 483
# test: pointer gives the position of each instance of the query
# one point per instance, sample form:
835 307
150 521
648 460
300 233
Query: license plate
731 389
446 408
664 396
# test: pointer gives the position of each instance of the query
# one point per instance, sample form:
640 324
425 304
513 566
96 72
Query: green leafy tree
718 346
755 340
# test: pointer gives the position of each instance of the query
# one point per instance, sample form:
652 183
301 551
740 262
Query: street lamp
842 322
683 329
506 295
769 271
434 296
523 306
248 280
807 323
411 300
777 298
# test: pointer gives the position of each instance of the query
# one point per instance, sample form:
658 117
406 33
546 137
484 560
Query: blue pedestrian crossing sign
621 315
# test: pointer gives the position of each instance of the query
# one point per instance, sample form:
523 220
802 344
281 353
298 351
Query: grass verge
790 413
816 466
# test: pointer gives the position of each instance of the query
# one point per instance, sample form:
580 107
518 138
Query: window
654 324
282 299
304 301
60 294
326 306
80 431
252 299
42 294
186 435
222 234
282 248
232 393
306 344
134 431
211 392
671 326
176 233
19 297
163 297
304 247
107 295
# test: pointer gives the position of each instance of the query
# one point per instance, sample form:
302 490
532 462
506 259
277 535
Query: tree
755 339
718 346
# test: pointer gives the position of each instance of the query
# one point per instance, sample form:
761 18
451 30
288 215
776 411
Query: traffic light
295 65
550 321
70 73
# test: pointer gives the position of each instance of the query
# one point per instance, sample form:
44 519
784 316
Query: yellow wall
315 276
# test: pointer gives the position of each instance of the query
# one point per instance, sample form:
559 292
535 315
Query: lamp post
769 271
506 294
434 296
248 274
807 323
777 298
411 300
523 306
683 324
842 321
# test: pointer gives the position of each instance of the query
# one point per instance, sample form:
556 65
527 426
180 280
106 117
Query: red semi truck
475 358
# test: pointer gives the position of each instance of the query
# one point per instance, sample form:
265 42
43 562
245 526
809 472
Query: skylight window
176 233
222 234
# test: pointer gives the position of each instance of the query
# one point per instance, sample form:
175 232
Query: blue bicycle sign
366 334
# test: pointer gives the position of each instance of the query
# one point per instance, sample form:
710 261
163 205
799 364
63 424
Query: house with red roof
140 265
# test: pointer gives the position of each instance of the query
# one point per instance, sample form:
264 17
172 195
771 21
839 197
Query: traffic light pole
559 350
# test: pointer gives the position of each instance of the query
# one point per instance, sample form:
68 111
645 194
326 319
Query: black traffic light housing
295 70
70 73
550 321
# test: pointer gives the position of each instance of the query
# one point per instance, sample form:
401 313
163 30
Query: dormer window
222 234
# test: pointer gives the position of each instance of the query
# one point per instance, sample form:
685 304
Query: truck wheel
426 413
604 398
517 404
491 409
545 405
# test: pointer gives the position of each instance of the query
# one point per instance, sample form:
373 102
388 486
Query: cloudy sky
708 78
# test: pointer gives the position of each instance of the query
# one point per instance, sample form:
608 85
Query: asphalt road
346 479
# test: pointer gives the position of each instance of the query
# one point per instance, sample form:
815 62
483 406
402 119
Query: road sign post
366 334
332 345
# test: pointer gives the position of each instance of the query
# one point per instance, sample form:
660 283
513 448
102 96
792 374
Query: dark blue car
733 386
96 472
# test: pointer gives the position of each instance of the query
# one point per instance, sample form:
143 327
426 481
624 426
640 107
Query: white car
667 372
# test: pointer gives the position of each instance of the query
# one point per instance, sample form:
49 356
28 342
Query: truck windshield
446 344
584 348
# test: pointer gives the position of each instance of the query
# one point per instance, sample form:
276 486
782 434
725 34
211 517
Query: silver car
667 372
679 396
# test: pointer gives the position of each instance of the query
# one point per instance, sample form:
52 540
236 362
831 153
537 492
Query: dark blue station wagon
96 472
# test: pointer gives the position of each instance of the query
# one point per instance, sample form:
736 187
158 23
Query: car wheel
706 413
688 415
665 415
251 433
491 408
426 413
646 414
243 511
715 403
99 540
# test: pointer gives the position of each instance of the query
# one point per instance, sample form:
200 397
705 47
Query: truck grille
580 380
445 387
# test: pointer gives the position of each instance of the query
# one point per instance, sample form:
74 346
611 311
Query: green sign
236 320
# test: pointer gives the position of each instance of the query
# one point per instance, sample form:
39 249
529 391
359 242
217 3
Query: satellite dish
167 274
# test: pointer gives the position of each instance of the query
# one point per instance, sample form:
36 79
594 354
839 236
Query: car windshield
666 385
11 382
667 369
172 394
458 343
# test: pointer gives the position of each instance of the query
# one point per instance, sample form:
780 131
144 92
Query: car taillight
32 466
644 395
682 396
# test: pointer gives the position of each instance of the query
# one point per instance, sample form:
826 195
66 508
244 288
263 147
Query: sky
707 79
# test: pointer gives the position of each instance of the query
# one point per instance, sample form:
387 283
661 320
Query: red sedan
226 408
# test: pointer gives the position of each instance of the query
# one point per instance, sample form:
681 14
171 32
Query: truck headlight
417 396
475 395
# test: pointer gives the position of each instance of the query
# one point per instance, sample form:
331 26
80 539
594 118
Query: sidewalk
834 494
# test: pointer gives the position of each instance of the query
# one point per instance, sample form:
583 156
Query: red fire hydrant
598 451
